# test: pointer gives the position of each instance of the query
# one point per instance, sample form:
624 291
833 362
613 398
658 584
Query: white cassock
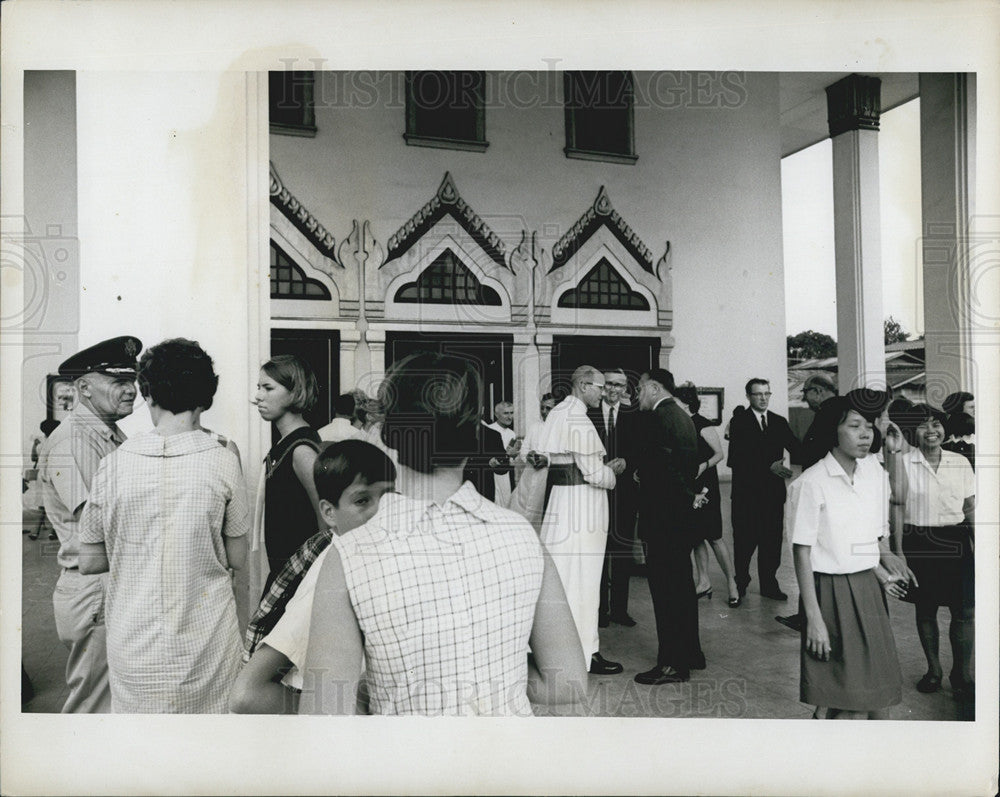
529 494
502 480
575 528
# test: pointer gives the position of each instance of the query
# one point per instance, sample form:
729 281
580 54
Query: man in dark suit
616 426
491 459
667 466
757 441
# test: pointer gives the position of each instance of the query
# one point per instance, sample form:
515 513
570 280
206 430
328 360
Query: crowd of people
415 559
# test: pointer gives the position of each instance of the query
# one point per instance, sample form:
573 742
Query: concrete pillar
947 164
543 343
854 106
527 389
370 379
43 243
349 339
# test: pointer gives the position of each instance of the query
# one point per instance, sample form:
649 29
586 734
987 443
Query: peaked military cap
114 357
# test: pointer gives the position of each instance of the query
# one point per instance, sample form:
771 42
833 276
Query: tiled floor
753 662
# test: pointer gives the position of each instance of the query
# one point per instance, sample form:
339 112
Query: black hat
114 357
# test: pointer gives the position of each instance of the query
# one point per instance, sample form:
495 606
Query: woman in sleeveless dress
708 517
286 389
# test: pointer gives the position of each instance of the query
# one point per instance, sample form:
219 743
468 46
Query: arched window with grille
288 281
603 289
447 281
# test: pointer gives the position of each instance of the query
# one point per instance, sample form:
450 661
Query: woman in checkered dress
442 591
168 516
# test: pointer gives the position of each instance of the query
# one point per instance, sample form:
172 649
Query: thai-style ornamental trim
601 213
447 202
299 215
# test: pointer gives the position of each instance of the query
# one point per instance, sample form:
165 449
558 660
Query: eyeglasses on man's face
761 395
615 385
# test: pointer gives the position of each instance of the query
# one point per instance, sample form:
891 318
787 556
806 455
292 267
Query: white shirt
759 415
936 498
338 429
290 635
841 521
605 408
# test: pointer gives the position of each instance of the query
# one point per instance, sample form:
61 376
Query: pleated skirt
862 673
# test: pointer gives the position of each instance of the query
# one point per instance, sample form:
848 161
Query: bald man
575 527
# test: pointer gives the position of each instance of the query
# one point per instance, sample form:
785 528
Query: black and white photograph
598 381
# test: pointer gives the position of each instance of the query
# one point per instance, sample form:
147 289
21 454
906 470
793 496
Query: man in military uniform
104 377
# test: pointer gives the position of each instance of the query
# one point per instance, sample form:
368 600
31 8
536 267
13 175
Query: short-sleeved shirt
290 635
840 519
66 467
935 498
445 597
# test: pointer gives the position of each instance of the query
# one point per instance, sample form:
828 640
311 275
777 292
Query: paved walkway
753 662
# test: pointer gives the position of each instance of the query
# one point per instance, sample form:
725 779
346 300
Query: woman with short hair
168 516
939 496
286 388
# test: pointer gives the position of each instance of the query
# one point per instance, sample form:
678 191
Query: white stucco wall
707 179
163 222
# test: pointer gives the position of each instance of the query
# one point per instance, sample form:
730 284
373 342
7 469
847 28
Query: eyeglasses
761 395
593 384
618 385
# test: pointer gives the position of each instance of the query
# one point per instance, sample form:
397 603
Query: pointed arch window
288 281
447 281
603 289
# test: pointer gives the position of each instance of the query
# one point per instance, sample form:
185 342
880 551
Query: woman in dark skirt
838 520
707 519
939 494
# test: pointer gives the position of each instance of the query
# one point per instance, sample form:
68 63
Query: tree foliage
894 332
811 345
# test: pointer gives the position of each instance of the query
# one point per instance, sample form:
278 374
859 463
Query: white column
543 343
349 339
947 164
853 105
527 387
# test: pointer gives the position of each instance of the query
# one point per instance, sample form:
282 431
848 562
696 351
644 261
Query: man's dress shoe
603 621
661 675
774 594
622 619
601 666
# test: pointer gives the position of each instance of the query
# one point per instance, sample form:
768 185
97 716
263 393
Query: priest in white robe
575 527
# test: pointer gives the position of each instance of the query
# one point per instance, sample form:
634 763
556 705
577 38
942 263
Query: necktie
763 423
611 432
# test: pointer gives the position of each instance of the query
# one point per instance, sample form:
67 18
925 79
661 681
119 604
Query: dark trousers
675 604
617 556
758 523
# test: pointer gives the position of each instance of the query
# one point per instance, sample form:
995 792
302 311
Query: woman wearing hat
838 520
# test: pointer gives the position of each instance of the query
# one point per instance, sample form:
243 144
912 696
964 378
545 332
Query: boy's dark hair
344 405
177 375
433 407
339 464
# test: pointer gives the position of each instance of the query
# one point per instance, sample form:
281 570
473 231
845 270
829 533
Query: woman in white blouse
939 496
838 519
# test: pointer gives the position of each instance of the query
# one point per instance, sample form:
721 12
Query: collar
758 413
665 398
465 498
605 407
835 469
83 415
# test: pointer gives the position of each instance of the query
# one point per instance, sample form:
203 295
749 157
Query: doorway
633 355
321 350
490 354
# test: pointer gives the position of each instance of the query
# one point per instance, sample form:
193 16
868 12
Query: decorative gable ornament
601 213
